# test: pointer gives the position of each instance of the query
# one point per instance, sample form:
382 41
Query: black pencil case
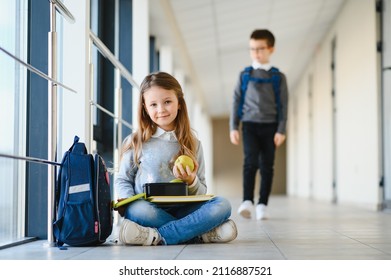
165 189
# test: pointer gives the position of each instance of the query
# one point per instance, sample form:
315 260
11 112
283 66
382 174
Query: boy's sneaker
261 213
245 208
134 234
225 232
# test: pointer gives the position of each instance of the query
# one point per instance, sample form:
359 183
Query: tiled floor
299 229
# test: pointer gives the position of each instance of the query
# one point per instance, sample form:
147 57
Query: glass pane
13 17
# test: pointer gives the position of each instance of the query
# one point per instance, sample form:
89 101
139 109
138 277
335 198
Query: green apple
185 161
176 180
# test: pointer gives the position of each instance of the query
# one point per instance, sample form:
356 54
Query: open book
165 199
129 200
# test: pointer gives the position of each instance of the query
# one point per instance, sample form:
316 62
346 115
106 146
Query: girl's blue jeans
180 223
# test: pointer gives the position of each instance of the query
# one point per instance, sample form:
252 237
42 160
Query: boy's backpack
275 80
82 199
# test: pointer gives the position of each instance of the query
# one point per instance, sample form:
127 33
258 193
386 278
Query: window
13 39
111 21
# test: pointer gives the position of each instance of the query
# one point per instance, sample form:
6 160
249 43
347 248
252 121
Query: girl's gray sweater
154 167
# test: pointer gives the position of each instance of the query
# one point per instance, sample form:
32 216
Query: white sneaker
245 209
225 232
134 234
261 213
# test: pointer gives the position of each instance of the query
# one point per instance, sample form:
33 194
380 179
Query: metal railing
110 56
35 70
62 9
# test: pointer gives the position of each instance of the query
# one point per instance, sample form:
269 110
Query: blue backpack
82 199
275 80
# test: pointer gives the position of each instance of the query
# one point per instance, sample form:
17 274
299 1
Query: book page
179 198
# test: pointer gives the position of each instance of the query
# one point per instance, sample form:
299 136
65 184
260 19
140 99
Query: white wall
322 118
359 106
140 56
357 123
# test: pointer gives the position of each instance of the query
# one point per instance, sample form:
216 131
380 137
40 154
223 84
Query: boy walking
260 104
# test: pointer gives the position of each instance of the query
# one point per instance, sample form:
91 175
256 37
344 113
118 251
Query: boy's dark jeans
259 151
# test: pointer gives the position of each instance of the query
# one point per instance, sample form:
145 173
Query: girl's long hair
146 127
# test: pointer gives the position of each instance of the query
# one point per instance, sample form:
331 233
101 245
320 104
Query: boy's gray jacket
259 103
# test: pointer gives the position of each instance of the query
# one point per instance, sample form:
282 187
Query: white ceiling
210 39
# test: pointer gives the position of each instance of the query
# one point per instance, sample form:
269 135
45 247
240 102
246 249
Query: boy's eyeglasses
258 49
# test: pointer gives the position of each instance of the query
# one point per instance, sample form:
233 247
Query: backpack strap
78 147
246 75
275 80
58 185
75 140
